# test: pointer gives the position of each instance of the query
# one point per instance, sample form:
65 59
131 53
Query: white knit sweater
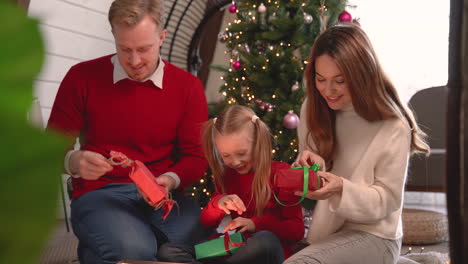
372 159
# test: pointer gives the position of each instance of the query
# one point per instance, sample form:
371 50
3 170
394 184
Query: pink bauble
290 120
236 65
262 106
345 16
232 8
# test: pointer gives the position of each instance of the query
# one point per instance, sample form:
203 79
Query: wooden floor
62 245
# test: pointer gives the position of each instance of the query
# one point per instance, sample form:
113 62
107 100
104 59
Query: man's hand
231 202
166 181
333 185
241 223
89 165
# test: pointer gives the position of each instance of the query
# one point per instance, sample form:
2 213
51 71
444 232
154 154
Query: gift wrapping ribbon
315 167
227 242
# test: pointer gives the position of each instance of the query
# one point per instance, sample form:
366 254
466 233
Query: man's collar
120 74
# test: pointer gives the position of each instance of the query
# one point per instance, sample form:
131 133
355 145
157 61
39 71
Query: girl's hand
308 158
245 224
231 202
333 185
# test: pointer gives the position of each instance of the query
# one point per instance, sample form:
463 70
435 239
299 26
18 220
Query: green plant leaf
29 158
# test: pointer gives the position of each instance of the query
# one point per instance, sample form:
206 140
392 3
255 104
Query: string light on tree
308 18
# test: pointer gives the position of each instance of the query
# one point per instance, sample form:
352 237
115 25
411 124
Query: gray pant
349 247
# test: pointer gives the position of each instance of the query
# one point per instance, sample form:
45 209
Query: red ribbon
227 242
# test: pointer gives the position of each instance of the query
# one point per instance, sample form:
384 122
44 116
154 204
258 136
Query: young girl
354 122
237 145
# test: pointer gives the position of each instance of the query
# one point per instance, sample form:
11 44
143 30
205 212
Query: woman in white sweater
354 124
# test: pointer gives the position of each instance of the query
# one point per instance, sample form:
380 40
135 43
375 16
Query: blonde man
138 104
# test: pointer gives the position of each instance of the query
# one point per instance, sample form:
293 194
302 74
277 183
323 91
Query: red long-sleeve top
161 126
286 222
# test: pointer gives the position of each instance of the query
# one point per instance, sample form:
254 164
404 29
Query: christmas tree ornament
260 48
233 8
262 106
290 120
261 8
295 86
323 16
323 22
272 18
234 53
345 17
223 37
308 18
236 65
246 47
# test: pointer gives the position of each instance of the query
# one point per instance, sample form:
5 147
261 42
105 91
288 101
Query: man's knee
128 249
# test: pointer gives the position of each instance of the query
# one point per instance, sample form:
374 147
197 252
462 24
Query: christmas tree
269 42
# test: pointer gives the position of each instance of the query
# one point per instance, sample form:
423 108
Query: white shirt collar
120 74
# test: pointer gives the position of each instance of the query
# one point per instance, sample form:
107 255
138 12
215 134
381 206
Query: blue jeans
114 223
262 247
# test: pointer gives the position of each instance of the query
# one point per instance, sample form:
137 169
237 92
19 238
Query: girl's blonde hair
236 119
373 96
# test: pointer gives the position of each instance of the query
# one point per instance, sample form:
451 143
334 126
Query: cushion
424 227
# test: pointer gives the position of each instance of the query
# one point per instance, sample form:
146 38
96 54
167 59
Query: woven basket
424 227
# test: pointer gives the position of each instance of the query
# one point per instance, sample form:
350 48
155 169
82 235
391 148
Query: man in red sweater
135 103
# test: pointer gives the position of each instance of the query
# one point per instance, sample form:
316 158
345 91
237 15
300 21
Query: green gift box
222 246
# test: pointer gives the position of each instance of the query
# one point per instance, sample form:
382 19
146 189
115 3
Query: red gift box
293 179
157 194
297 179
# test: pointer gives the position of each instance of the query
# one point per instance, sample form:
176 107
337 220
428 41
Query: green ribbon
315 167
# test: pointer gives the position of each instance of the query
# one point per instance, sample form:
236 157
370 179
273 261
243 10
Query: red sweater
136 118
286 222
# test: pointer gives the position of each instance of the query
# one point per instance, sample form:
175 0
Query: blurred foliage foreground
30 159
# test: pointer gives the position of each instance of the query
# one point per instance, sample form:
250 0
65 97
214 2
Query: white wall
73 31
410 38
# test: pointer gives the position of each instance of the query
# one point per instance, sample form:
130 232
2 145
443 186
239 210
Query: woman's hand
333 185
307 158
231 202
241 223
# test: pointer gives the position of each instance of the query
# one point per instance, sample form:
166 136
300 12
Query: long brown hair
373 96
235 119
